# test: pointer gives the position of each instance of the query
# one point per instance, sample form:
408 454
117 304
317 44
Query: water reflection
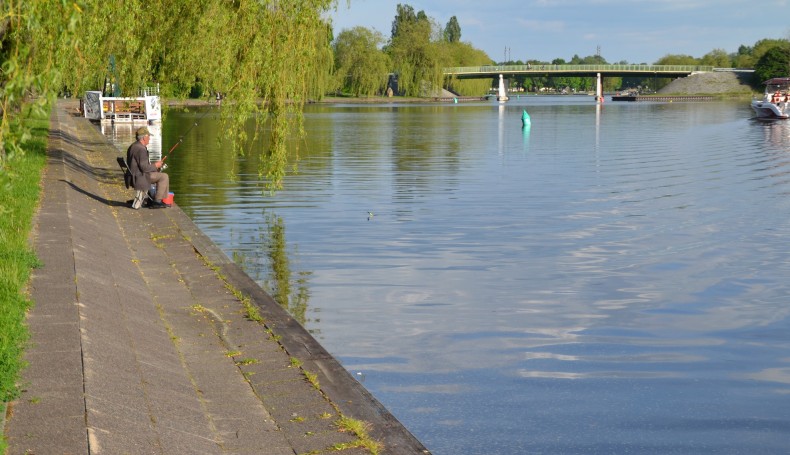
525 129
124 133
267 261
777 133
598 109
501 129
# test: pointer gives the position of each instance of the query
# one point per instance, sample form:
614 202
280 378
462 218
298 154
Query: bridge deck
548 70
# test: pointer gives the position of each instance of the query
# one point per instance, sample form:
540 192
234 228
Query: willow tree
265 56
413 50
464 54
361 66
32 34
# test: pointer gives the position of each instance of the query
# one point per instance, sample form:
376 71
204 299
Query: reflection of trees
268 263
207 173
419 154
280 282
199 161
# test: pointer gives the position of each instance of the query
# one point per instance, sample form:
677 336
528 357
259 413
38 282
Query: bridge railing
579 68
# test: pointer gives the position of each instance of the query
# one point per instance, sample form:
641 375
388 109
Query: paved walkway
139 343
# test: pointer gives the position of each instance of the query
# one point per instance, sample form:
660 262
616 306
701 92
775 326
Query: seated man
144 173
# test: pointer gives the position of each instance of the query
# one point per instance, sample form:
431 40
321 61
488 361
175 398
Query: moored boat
144 109
775 103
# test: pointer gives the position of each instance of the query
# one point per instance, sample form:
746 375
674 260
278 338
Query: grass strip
20 177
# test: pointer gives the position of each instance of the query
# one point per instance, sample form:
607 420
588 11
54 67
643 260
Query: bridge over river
596 71
548 70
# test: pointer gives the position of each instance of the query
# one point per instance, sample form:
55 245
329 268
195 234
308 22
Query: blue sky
637 31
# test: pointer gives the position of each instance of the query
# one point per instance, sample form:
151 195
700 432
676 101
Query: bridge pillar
502 92
599 89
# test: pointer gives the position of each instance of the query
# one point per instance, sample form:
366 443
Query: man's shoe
157 205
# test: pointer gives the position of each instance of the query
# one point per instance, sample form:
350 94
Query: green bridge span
548 70
599 72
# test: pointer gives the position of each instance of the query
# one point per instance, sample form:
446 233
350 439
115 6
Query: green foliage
717 58
764 45
267 69
589 60
775 62
677 59
463 54
361 67
743 59
405 15
267 57
417 52
19 193
452 32
31 34
361 430
413 52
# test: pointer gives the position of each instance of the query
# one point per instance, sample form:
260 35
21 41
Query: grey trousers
162 181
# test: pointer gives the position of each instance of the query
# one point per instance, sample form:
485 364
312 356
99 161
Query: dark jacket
139 166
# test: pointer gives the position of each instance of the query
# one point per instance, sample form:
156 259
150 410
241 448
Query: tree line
416 51
419 47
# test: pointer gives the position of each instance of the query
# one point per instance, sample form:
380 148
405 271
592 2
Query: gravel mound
714 83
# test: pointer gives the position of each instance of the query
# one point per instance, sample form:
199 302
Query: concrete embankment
145 337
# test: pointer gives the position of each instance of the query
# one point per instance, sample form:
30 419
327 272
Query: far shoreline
191 102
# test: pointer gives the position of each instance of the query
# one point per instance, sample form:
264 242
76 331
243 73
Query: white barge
144 110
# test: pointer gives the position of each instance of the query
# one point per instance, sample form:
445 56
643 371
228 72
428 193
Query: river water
611 279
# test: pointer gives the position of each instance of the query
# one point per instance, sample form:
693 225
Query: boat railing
148 91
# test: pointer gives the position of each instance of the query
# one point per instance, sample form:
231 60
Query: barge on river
143 110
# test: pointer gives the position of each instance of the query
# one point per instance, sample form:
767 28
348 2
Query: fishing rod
181 138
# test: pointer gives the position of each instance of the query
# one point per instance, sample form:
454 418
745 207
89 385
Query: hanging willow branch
266 57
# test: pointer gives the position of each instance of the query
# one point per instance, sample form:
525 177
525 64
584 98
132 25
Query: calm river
610 280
